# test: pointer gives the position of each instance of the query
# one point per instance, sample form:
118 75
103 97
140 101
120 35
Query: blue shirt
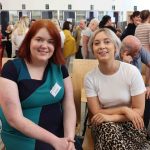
143 57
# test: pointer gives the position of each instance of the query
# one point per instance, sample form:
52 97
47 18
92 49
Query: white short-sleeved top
117 89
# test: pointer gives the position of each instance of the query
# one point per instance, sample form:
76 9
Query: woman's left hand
136 119
71 146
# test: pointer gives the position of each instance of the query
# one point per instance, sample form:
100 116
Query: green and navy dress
41 102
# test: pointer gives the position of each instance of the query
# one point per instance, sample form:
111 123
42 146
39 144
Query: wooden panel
79 68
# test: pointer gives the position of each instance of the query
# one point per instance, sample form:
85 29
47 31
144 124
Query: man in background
78 37
132 52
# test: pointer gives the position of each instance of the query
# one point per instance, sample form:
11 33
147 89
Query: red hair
24 50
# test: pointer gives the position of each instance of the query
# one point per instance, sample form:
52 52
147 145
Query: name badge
55 89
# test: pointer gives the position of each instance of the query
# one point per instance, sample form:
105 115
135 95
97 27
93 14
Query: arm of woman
104 115
69 110
118 114
135 113
138 103
95 107
10 104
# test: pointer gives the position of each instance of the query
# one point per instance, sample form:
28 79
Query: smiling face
103 47
42 46
137 20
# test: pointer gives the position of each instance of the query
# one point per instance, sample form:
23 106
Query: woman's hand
64 144
61 144
135 117
100 118
71 146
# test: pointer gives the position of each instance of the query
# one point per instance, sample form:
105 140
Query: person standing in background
107 23
87 34
7 35
19 33
69 49
62 35
78 37
135 21
142 32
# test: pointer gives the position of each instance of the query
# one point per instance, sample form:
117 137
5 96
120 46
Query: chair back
143 71
79 69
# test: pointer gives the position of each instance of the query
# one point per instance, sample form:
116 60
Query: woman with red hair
38 111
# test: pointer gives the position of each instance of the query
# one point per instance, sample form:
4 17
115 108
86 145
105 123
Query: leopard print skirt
119 136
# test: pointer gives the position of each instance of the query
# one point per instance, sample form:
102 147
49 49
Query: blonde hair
22 25
110 34
56 22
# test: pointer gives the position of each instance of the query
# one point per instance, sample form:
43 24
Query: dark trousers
8 49
79 53
147 112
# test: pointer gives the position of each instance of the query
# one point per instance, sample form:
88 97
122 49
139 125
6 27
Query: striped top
142 32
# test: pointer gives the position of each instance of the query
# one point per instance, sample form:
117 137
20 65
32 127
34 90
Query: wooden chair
143 71
79 68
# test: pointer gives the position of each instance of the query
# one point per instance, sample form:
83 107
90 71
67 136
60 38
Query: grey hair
116 41
125 47
130 42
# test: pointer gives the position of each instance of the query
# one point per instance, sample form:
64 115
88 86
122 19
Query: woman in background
19 33
69 49
62 35
142 32
135 20
7 38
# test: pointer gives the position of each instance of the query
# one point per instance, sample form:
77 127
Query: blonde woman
19 33
62 35
142 32
116 98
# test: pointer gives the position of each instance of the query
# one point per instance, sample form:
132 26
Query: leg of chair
85 124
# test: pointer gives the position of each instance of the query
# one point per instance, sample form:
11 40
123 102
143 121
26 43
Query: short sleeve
64 71
9 71
145 56
137 83
89 86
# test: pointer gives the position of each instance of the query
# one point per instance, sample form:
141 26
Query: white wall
99 5
104 5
